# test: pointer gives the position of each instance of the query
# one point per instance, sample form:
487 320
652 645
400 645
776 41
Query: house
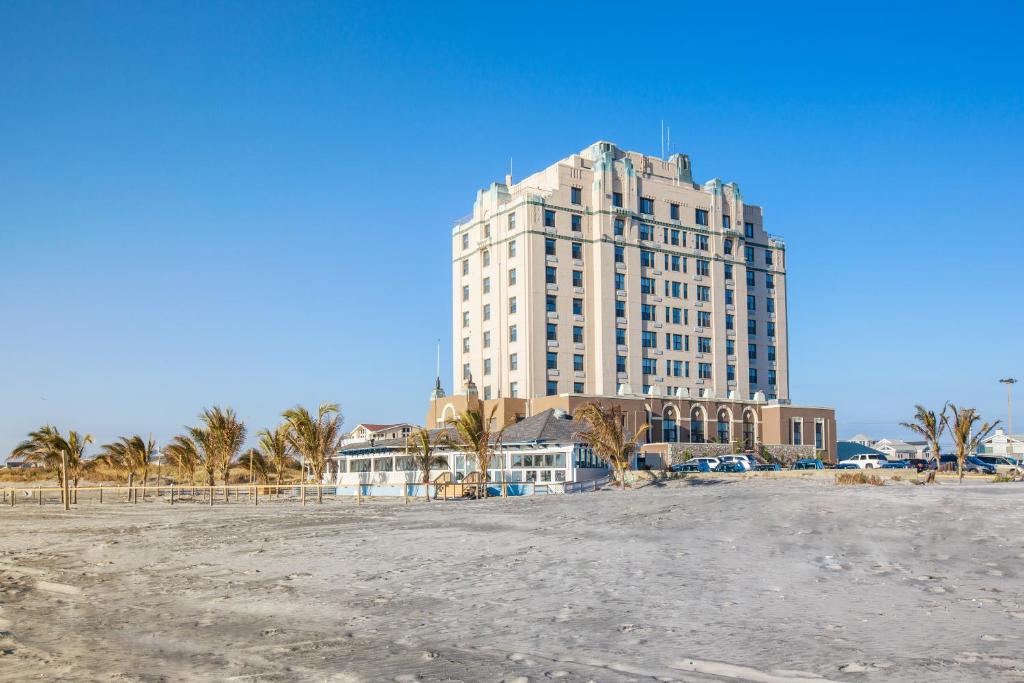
368 431
1001 443
897 449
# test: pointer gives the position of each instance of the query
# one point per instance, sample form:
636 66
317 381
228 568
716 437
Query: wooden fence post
256 495
172 494
302 491
359 493
405 492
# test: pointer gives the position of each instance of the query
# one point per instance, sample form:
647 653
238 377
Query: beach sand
763 580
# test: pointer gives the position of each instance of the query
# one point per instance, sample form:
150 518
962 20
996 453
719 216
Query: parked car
844 465
973 464
896 465
734 466
1003 465
808 464
690 466
864 461
922 464
712 463
742 459
767 467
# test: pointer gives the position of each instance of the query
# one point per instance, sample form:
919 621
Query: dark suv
921 464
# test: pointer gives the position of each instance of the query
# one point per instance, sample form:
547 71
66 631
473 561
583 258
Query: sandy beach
762 580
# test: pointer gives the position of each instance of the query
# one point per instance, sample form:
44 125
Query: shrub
854 478
1003 478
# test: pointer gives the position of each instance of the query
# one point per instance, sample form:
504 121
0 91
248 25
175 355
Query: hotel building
611 275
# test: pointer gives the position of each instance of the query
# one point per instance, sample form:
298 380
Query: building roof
548 426
860 437
848 449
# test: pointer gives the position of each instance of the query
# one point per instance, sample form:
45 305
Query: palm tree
182 451
606 435
425 458
259 468
219 441
276 449
129 455
929 426
960 423
47 447
476 436
318 438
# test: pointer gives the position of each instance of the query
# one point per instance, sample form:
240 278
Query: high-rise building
612 273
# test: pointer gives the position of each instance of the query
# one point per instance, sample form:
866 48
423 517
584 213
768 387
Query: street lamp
1009 382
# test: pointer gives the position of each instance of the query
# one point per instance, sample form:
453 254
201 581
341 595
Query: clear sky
250 204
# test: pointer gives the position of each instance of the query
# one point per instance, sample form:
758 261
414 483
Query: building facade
613 273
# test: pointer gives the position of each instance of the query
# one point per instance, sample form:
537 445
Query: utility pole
1009 382
64 468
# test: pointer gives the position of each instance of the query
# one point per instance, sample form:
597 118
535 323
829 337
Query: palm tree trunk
131 480
426 485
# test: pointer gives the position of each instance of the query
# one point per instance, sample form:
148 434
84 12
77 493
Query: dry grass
1003 478
855 478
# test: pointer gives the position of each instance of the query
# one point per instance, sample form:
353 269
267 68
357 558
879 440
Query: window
465 240
487 230
549 303
771 378
620 255
686 368
673 289
704 370
647 312
703 318
465 371
487 366
748 254
674 368
767 257
513 333
770 304
752 351
771 354
513 361
576 222
646 258
620 281
677 342
511 304
620 309
726 223
577 278
487 311
620 363
673 211
617 199
730 321
769 281
577 388
752 375
577 334
577 362
576 195
513 389
674 263
486 257
465 292
551 275
549 218
487 392
577 306
487 340
620 336
727 246
673 238
703 267
748 229
549 246
511 222
750 278
729 294
648 339
511 276
465 344
798 427
512 249
552 332
650 366
730 373
577 250
728 271
703 293
552 388
673 315
730 347
487 285
703 344
647 285
646 232
465 267
620 226
751 302
751 327
819 437
552 362
701 242
771 329
702 217
465 318
647 205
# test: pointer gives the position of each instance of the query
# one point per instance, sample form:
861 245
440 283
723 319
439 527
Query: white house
1001 443
897 449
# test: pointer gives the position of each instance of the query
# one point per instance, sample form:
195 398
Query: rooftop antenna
439 358
663 138
668 144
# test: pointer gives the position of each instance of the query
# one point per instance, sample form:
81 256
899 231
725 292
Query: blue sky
249 204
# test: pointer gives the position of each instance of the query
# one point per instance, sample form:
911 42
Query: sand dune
767 580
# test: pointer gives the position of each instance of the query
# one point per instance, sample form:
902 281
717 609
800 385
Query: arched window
723 426
670 425
696 425
748 429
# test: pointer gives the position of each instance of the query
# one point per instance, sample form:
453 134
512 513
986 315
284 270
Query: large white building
613 273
